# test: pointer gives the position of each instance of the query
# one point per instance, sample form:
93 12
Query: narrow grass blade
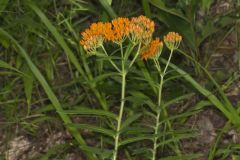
146 8
108 8
162 6
135 139
130 120
54 150
89 111
52 97
176 138
66 49
185 157
102 152
212 98
177 99
7 66
93 128
3 5
58 37
28 86
147 76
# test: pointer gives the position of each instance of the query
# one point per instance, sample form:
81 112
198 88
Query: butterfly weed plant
133 38
139 121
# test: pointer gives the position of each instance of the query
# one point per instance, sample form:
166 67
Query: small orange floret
153 49
141 29
172 40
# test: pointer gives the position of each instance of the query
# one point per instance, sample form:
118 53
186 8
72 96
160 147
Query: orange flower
153 49
107 32
141 29
92 37
172 40
120 29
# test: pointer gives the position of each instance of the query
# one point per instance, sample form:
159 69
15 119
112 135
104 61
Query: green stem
165 69
120 115
161 74
135 57
129 50
123 74
114 65
157 118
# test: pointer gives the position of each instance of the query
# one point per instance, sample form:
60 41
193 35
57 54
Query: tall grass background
46 78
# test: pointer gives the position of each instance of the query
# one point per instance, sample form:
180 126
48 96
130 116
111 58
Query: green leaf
84 6
185 157
3 5
146 8
134 139
93 128
54 150
180 115
147 76
8 66
28 80
109 2
177 99
202 104
196 108
68 51
212 27
49 68
232 116
149 114
206 4
87 111
161 5
176 138
140 98
108 8
57 36
103 76
142 151
52 97
4 41
103 152
130 120
139 130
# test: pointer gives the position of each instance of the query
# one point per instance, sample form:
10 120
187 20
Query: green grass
47 79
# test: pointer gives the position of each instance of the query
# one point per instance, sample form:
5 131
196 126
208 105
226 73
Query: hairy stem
157 118
169 59
123 74
135 57
120 116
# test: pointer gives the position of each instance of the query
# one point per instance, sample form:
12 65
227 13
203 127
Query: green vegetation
115 104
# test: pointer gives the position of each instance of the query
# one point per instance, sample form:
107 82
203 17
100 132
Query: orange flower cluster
141 29
172 40
137 29
120 29
153 49
94 36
